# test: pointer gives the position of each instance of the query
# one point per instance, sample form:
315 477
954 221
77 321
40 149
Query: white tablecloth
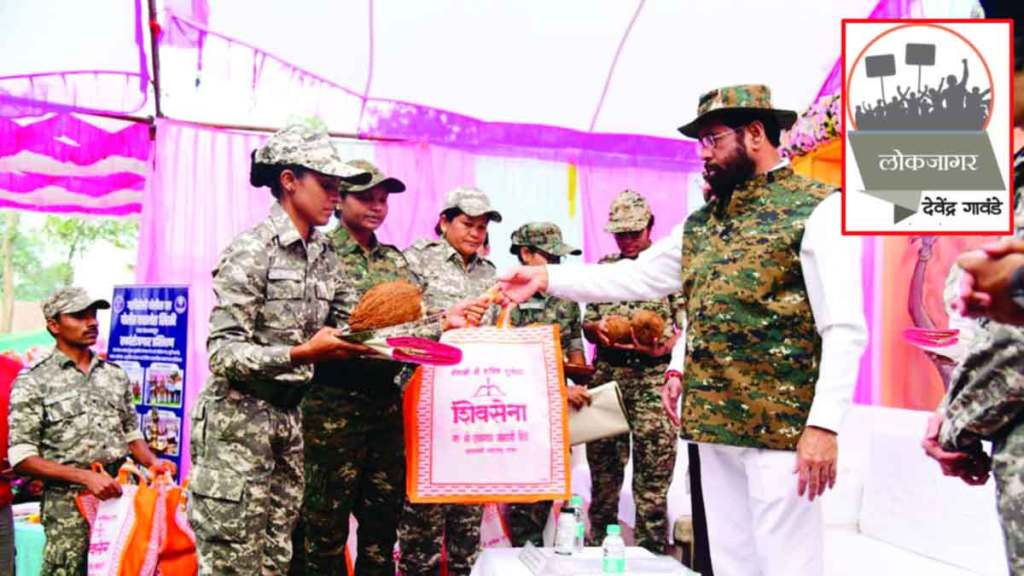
505 562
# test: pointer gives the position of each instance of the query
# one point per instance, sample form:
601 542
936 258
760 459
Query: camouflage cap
69 300
629 212
309 147
544 236
472 201
377 178
756 98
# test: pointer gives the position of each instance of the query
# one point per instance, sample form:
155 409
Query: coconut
387 304
618 330
647 326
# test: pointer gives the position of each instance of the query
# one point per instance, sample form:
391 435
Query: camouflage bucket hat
756 98
544 236
629 212
472 201
70 300
377 178
309 147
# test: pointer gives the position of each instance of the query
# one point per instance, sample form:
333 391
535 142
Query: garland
819 124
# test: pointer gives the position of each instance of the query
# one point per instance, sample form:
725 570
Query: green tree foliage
42 260
76 235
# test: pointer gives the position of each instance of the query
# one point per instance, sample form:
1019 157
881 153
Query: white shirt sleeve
831 265
655 273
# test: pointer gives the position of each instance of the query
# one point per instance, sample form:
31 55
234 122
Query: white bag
603 418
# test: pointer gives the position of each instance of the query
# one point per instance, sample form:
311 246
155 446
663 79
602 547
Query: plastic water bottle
614 551
565 531
581 529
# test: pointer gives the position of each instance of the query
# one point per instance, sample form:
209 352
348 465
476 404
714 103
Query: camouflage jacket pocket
285 306
63 407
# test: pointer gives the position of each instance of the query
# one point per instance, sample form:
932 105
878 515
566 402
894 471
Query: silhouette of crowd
950 106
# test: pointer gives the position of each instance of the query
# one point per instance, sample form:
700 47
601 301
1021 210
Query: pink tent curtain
429 172
197 200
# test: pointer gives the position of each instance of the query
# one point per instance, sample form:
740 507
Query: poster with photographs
148 338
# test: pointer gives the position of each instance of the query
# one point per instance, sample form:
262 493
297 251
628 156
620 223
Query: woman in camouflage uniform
274 285
640 373
352 416
539 244
451 270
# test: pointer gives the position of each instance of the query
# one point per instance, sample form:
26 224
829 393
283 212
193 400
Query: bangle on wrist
673 374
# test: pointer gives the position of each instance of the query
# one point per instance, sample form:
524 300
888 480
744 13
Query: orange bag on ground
122 541
177 543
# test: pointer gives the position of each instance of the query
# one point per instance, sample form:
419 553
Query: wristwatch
1017 286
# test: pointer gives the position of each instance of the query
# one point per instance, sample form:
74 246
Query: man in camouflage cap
639 372
276 286
537 244
68 411
774 333
730 101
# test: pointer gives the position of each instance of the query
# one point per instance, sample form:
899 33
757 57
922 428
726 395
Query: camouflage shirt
543 309
363 380
64 416
986 395
274 291
447 279
667 308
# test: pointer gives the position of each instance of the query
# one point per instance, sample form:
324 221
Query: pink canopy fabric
65 163
92 57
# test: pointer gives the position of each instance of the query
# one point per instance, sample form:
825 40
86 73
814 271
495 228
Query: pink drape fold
429 173
197 201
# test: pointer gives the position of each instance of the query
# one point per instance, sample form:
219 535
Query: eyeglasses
711 140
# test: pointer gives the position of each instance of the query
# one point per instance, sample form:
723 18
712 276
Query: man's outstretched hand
518 284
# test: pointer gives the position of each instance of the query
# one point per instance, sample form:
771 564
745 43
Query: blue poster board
149 339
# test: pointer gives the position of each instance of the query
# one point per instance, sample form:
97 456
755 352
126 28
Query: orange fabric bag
122 541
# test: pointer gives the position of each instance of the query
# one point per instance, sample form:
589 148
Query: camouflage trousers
1008 470
246 482
362 475
526 523
424 528
654 456
67 535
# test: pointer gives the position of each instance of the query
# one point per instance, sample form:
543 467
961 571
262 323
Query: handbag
604 417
